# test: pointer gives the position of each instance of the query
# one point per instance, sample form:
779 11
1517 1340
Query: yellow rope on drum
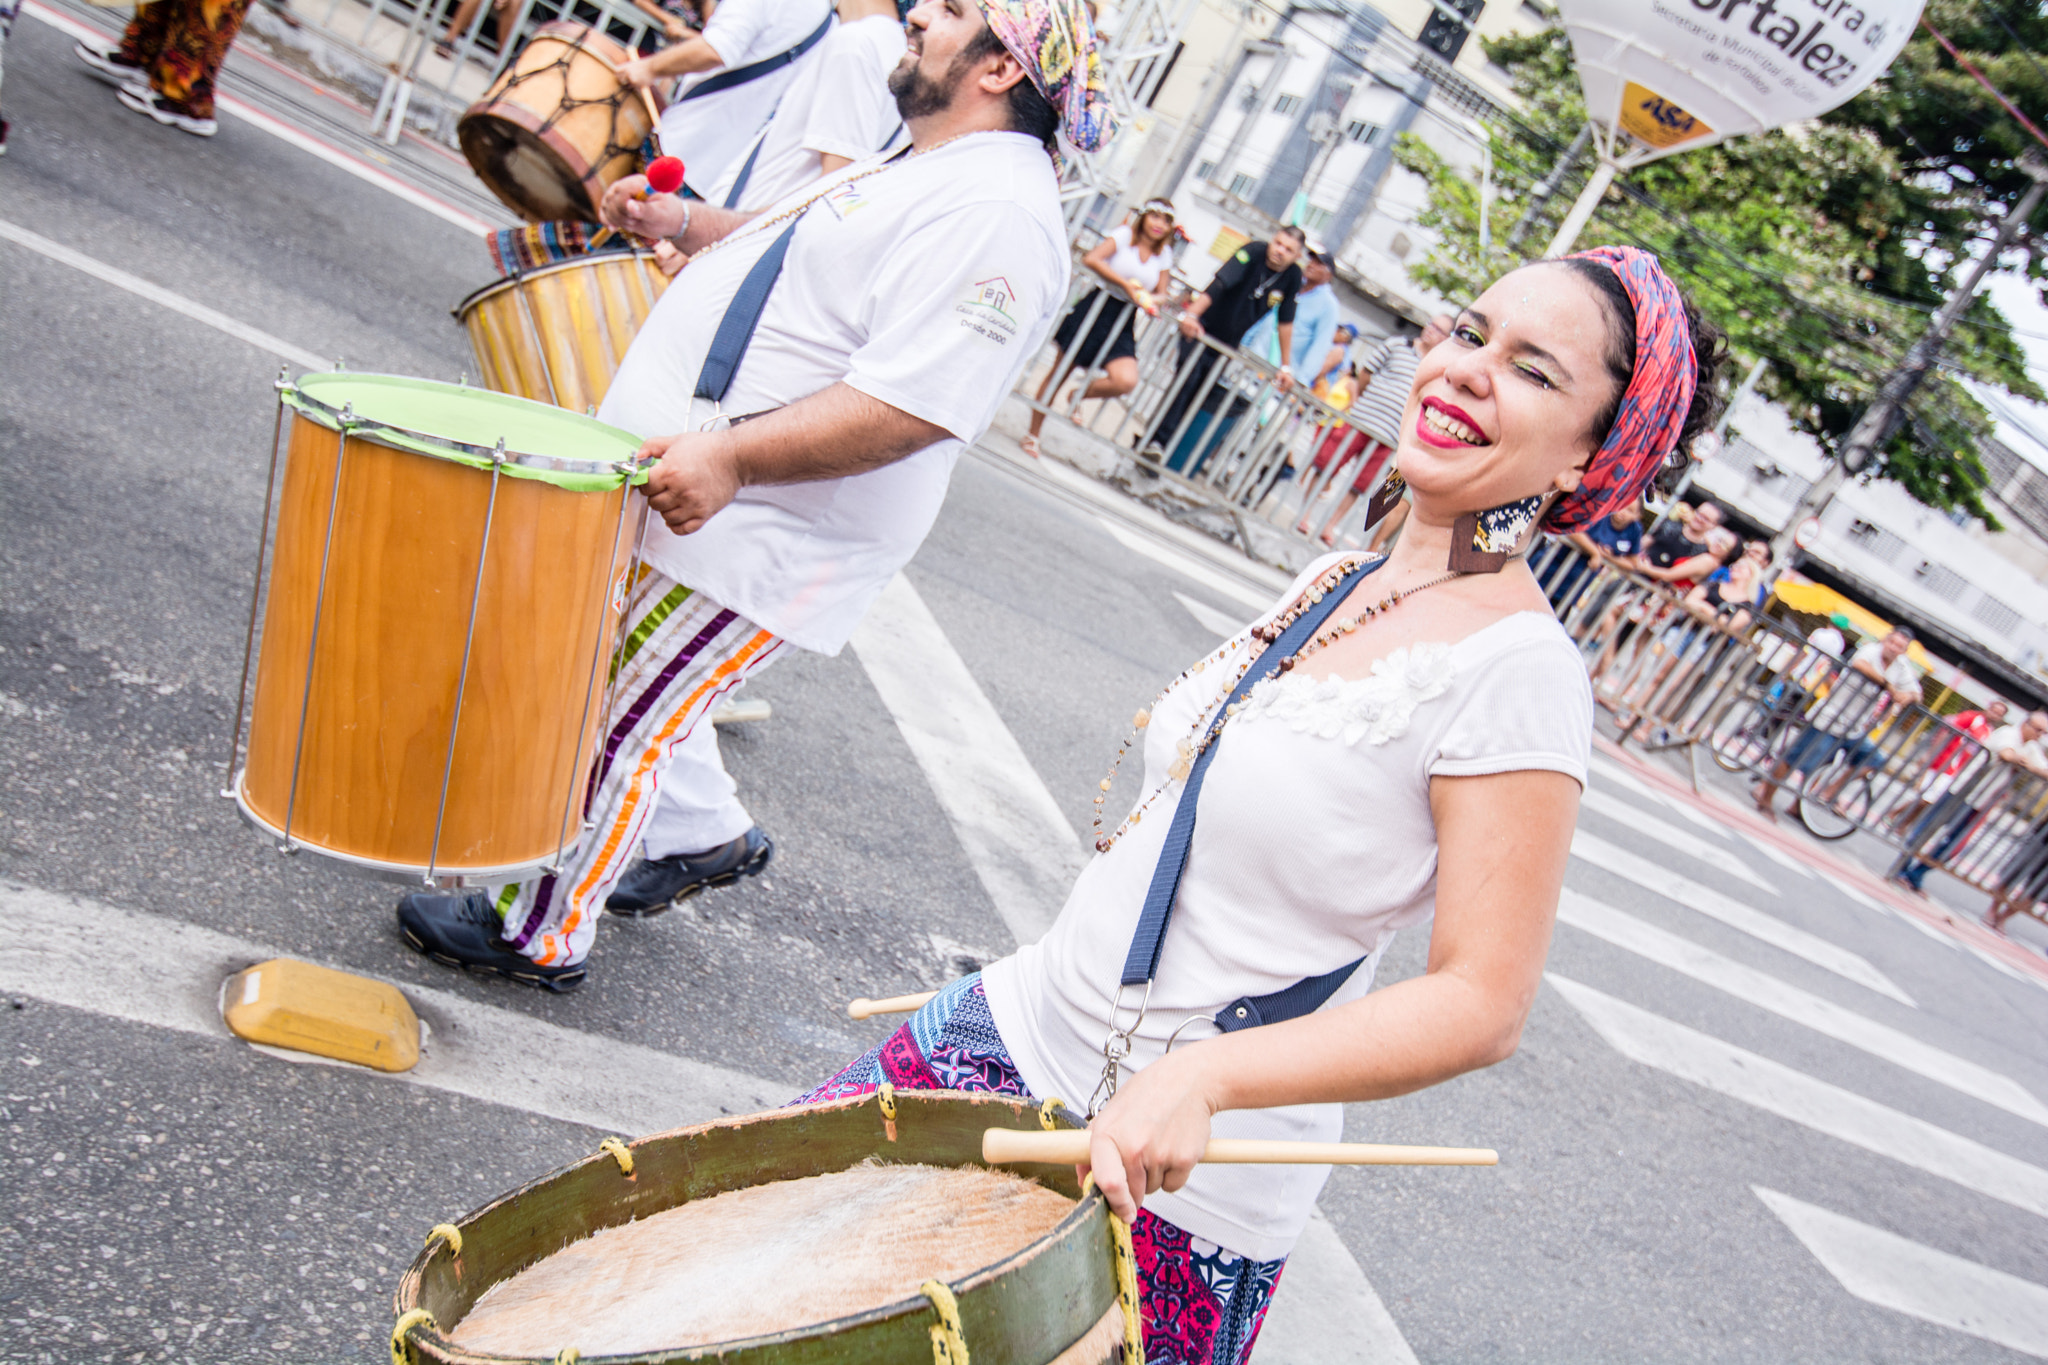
1125 1257
1048 1113
949 1342
568 1355
448 1233
401 1354
885 1099
619 1154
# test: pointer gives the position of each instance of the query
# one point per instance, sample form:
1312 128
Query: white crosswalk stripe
1801 1007
1654 877
1900 1274
1791 1094
1632 816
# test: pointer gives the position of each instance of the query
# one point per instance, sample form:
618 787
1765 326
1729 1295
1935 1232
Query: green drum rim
475 427
498 286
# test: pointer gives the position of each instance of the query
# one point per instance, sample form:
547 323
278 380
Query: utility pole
1880 418
1546 188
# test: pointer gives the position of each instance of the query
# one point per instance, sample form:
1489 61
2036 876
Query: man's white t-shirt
1857 701
841 106
1314 844
709 132
926 284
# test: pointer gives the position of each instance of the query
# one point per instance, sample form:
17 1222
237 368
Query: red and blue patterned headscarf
1055 42
1653 407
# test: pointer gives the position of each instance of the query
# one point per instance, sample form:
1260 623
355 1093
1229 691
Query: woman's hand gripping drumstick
1006 1146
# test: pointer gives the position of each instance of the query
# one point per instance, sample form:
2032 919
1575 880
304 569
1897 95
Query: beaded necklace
1213 717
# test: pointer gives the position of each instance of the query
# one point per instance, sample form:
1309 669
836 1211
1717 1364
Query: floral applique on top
1376 708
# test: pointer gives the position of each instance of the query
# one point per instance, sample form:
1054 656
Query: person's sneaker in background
166 111
105 61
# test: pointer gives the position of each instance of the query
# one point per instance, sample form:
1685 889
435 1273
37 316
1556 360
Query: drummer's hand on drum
667 259
697 474
1151 1134
651 218
638 73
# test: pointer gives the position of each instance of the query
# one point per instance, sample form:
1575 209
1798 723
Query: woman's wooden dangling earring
1383 499
1484 542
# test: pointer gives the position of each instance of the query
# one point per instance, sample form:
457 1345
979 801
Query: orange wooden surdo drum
449 571
558 126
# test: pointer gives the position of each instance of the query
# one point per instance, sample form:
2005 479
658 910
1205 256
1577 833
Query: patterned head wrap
1653 407
1055 41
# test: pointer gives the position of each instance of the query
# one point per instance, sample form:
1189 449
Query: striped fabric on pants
683 654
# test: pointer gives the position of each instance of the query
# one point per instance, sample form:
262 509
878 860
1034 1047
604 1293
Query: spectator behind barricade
674 20
1385 376
1615 540
1953 791
1879 676
1737 586
1260 277
1949 760
1135 263
1336 361
2024 877
837 111
1315 322
764 46
1682 536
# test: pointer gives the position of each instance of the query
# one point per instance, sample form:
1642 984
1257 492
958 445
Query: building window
1206 171
1996 615
1287 104
1314 219
1358 130
1242 185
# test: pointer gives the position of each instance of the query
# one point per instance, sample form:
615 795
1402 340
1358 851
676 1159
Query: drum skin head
523 168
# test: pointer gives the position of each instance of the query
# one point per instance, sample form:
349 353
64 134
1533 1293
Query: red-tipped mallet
664 175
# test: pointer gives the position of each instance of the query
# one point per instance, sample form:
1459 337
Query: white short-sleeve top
1314 844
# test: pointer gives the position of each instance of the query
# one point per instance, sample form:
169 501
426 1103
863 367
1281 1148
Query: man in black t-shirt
1258 277
1682 537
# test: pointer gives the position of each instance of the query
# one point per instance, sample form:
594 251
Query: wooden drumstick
1068 1147
895 1004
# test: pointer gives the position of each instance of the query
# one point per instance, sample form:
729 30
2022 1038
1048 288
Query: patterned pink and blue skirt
1203 1305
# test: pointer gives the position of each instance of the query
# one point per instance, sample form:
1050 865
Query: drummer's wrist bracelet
683 231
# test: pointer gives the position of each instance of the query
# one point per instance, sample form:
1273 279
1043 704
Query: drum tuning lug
498 455
462 382
287 848
338 366
590 409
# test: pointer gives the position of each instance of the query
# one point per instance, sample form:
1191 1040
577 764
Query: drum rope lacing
571 103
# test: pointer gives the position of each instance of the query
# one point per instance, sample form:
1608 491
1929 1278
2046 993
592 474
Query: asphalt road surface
1754 1117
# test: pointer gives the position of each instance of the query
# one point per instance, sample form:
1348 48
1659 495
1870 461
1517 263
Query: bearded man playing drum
1399 739
813 458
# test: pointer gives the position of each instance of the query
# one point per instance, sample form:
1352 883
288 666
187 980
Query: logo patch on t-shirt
845 199
984 309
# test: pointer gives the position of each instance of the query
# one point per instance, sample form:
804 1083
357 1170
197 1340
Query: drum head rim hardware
1052 1263
408 874
573 475
524 273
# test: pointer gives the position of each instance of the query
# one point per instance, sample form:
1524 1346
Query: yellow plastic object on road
296 1005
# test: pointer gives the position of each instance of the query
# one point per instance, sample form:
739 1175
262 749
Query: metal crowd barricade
1760 699
1210 421
405 85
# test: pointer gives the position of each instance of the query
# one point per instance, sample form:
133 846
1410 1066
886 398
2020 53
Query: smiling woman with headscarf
1399 740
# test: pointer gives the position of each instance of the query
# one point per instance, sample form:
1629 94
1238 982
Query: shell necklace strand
1210 721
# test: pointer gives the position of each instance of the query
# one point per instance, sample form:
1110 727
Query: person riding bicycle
1879 675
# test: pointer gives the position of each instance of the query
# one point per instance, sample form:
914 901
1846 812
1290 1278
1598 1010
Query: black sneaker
105 60
652 885
462 931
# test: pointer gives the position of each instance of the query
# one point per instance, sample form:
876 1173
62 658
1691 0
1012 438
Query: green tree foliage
1821 248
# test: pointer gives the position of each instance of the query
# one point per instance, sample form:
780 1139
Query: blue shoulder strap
1142 963
753 71
736 329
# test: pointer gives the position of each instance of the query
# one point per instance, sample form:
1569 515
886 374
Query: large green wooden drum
1051 1301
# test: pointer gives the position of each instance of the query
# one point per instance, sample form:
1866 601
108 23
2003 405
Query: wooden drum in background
1049 1299
558 125
557 334
449 570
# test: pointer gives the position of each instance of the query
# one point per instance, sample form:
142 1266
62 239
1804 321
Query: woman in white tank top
1135 265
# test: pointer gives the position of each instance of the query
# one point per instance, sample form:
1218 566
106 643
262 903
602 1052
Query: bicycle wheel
1822 820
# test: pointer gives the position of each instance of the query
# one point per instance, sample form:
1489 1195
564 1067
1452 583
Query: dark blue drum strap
739 186
1142 963
736 329
753 71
